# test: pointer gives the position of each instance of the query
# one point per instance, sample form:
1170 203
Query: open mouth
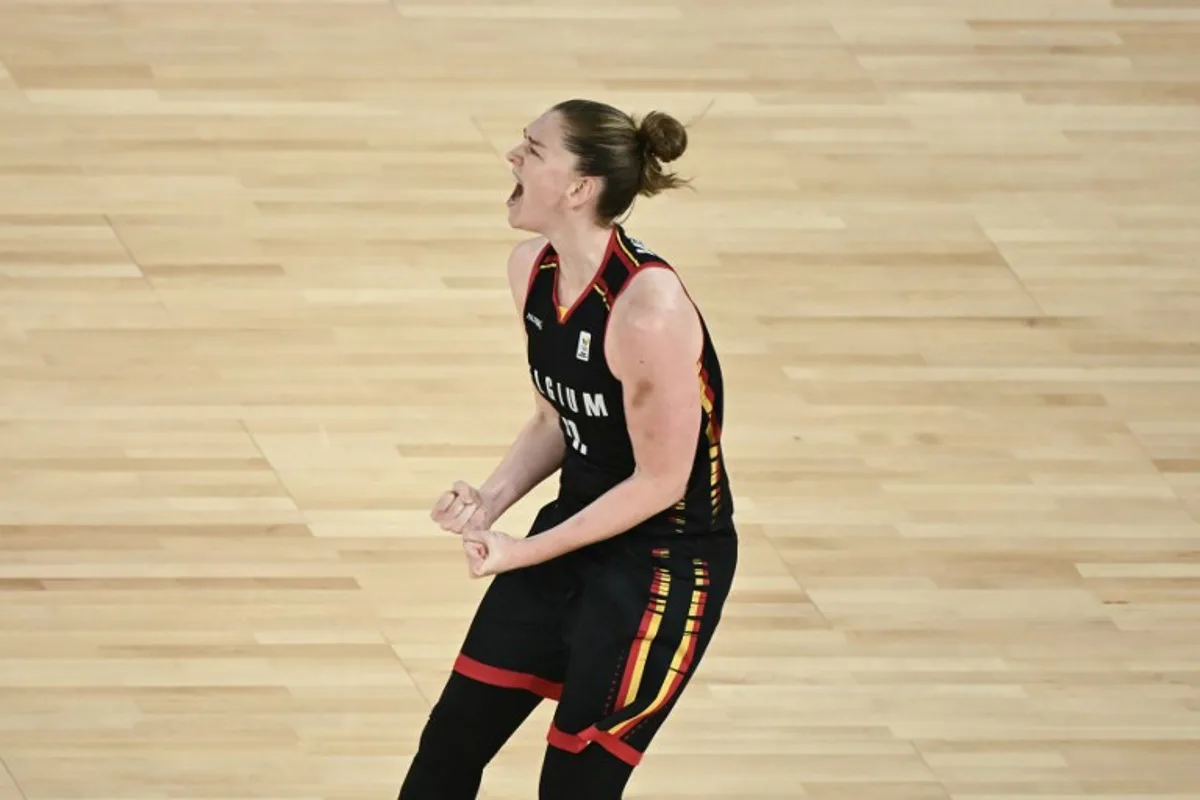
517 192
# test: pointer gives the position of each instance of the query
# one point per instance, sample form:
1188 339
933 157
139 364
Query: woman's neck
580 248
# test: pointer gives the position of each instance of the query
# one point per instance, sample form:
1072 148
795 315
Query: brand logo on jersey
643 250
584 348
641 247
535 320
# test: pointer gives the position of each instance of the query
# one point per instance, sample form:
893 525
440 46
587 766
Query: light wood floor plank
253 318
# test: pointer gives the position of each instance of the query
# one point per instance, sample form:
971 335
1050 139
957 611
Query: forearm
627 504
534 456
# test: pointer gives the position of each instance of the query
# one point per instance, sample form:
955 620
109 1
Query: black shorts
612 631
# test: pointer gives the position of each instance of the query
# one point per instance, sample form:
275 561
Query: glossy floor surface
253 318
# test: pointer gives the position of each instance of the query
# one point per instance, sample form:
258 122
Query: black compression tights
467 727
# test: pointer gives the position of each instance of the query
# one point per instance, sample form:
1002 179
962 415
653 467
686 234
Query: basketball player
610 602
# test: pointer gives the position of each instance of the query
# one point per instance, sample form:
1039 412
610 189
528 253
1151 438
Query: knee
591 774
466 727
449 761
455 734
437 769
555 782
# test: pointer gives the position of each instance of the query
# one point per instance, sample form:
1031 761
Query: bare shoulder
654 291
653 320
520 262
654 301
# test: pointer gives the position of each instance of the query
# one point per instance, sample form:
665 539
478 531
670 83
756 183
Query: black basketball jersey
568 367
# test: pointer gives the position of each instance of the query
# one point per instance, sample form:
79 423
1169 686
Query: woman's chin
518 221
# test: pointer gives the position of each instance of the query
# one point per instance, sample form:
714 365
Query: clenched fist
491 552
460 508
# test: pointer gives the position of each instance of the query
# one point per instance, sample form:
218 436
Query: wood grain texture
254 318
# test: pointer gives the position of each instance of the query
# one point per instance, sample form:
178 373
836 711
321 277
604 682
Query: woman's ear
582 191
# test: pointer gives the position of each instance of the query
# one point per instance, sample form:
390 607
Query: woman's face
547 186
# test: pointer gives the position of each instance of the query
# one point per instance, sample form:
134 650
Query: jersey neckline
563 317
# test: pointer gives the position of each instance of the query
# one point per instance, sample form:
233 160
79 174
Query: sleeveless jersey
568 367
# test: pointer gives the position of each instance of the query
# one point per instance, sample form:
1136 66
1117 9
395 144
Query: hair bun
664 137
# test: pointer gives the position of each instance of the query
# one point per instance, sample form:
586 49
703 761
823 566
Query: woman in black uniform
610 602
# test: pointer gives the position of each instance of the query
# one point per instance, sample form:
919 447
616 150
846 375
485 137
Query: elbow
543 412
667 489
664 477
677 487
544 419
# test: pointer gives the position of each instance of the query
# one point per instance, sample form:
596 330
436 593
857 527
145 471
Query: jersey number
573 434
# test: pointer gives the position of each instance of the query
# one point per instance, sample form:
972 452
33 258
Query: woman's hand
461 507
491 552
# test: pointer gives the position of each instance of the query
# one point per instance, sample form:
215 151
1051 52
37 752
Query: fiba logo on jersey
584 348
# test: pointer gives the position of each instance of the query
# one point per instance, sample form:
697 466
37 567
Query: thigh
646 617
517 638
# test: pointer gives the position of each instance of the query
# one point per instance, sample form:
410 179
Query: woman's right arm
538 450
535 455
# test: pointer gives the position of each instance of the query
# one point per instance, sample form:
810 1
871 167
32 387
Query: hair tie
645 146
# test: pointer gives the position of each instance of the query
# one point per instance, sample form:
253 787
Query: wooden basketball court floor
255 318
